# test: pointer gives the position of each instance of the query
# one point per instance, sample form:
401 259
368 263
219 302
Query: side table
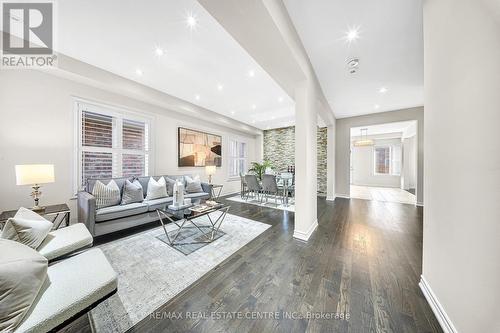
216 191
57 214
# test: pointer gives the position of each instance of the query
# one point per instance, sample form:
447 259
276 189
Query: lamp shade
29 174
210 170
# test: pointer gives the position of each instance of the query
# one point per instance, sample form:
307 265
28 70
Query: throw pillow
132 192
23 272
170 186
156 189
106 195
193 185
26 227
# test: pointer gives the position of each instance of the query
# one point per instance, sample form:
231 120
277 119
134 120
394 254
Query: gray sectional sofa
110 219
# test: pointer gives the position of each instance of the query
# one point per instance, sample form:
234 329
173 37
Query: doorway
383 162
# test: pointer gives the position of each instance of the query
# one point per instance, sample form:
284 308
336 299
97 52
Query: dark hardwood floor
363 262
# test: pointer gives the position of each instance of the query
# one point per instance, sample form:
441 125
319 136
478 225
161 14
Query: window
111 144
387 160
237 158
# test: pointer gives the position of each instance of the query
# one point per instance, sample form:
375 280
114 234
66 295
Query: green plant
259 169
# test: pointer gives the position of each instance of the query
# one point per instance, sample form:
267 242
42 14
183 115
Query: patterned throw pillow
106 195
193 185
132 192
156 189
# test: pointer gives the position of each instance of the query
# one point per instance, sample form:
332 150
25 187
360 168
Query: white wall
363 166
37 126
461 243
409 171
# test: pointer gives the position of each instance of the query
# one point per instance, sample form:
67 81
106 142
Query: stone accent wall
279 149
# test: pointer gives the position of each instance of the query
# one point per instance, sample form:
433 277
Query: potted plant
259 169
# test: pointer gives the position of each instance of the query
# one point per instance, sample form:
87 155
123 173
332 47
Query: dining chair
269 186
253 186
243 185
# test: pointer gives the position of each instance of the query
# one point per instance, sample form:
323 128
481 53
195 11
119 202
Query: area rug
270 204
190 239
150 272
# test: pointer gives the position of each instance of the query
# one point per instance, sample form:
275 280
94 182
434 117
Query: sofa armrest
207 188
87 210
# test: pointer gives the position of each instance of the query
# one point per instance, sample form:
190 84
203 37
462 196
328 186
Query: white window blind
237 158
111 144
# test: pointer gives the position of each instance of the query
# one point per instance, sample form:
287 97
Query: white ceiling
390 49
388 128
121 37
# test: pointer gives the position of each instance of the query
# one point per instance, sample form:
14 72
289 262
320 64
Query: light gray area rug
150 272
270 204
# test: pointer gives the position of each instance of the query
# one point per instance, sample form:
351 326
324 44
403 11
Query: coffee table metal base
214 228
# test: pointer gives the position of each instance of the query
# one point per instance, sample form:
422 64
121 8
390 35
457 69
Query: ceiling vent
353 65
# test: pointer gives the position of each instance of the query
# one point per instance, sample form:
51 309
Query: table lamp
34 175
210 170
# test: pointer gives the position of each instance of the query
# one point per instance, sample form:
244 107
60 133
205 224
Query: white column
306 187
330 163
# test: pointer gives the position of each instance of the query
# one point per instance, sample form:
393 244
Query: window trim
391 160
79 105
230 158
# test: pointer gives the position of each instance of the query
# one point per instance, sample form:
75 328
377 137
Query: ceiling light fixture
232 112
376 106
280 99
254 106
139 72
251 73
197 97
382 90
363 142
220 87
191 21
159 51
351 35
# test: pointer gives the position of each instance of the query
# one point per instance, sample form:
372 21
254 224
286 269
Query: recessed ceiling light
253 121
280 99
376 106
159 51
351 35
382 90
232 112
191 21
272 118
197 97
251 73
254 106
139 72
220 87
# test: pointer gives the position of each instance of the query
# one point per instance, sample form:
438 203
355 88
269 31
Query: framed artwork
198 149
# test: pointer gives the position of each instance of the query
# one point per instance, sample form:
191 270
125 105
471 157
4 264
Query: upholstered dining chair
243 185
253 186
270 187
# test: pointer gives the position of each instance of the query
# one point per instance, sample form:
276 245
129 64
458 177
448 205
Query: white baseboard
304 236
436 307
342 196
332 198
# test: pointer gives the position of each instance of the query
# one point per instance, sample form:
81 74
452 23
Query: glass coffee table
188 215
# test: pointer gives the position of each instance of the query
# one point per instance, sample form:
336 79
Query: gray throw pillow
170 186
132 192
193 185
106 195
23 272
27 227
